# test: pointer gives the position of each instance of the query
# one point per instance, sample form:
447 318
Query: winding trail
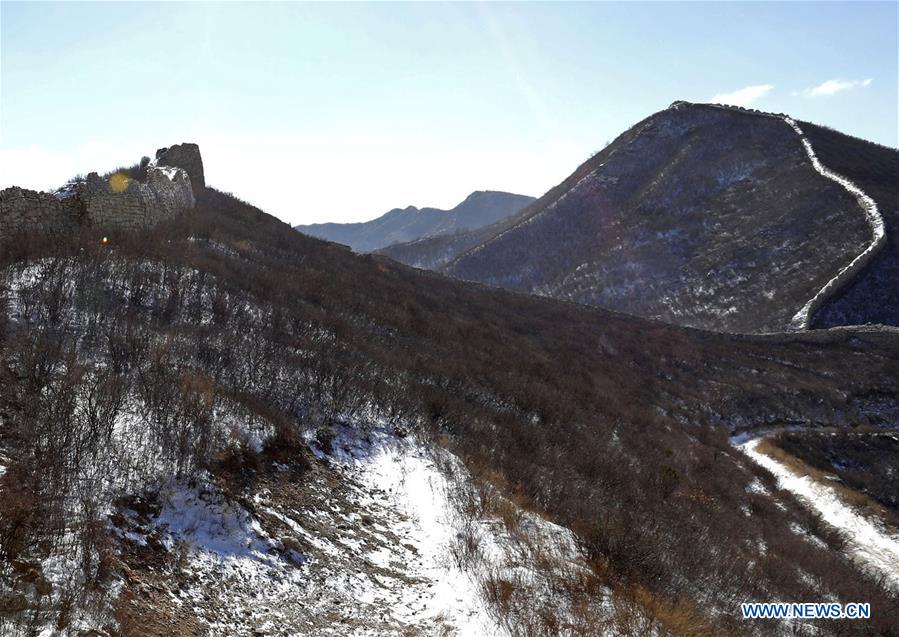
802 319
869 545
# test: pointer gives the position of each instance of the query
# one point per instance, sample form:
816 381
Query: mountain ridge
478 209
703 215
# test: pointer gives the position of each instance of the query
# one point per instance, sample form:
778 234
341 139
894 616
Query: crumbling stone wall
95 202
140 205
29 211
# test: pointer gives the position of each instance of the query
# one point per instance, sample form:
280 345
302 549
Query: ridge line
802 318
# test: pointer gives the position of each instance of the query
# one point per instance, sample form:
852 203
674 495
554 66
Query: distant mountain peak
478 209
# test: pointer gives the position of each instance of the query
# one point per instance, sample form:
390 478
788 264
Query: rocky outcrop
116 203
186 156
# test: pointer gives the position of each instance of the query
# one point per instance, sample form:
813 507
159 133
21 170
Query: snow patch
422 493
756 486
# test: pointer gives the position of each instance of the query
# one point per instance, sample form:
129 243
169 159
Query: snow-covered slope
162 402
374 541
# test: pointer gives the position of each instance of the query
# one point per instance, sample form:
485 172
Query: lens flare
119 182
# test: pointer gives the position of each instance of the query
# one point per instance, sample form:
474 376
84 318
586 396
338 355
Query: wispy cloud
743 96
832 87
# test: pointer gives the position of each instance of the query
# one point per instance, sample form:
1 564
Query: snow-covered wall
186 156
166 192
803 317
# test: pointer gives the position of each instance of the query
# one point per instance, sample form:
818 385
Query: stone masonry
124 204
186 156
24 210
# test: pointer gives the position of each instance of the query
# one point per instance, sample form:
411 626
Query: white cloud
832 87
743 96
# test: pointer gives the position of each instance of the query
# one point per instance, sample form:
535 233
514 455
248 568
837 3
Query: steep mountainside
699 215
480 208
873 297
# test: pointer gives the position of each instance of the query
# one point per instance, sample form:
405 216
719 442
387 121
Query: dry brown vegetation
858 465
614 427
690 216
873 297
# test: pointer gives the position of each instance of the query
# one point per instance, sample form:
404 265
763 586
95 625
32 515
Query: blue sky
339 112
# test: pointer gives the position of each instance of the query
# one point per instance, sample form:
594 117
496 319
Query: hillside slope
873 297
480 208
432 253
166 386
699 215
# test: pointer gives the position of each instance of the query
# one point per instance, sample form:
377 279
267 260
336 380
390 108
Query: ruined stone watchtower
173 180
186 156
